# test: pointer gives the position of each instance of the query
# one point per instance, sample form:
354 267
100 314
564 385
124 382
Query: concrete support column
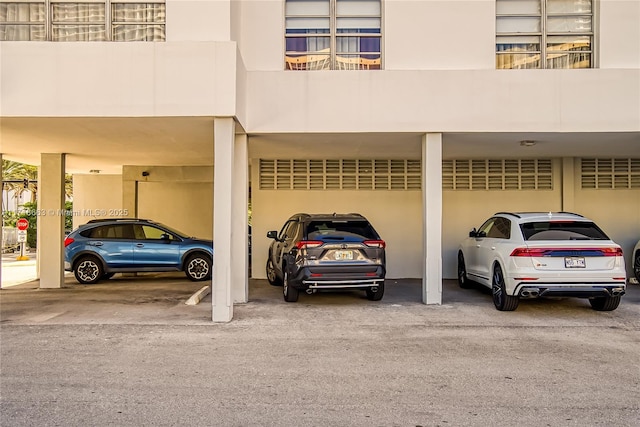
50 251
130 197
568 184
432 218
223 154
240 225
1 233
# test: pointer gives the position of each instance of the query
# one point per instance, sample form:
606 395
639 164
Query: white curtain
21 21
138 22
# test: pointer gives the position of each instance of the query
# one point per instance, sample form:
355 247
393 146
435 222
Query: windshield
562 230
329 230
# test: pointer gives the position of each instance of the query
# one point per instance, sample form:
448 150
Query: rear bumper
558 290
332 278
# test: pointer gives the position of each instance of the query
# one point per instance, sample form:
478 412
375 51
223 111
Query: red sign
22 224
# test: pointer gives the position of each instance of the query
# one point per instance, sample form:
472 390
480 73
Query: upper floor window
333 34
544 34
98 20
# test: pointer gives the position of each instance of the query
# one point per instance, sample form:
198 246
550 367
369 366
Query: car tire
463 282
636 266
501 300
272 277
289 292
605 303
375 295
107 276
88 270
198 267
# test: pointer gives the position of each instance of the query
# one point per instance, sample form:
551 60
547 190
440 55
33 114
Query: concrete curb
198 296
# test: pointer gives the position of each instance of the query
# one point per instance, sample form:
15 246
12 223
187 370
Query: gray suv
315 252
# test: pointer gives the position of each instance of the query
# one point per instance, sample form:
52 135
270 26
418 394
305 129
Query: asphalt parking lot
130 352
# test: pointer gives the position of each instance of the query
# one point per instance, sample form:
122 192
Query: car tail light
540 252
375 243
68 241
309 244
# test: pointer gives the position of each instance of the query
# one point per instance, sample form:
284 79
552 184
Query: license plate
341 255
574 262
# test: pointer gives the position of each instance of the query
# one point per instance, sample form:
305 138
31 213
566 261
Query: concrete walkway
15 272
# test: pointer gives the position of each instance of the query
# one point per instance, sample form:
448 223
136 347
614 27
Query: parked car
636 261
533 255
313 252
100 248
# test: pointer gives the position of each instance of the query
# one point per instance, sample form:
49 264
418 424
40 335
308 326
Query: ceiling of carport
106 144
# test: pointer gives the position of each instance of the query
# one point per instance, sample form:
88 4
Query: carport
428 189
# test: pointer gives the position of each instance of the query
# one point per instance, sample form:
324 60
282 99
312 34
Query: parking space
160 299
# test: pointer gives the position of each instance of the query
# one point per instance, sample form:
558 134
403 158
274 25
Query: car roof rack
93 221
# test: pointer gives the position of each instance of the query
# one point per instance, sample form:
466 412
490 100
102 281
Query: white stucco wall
198 20
118 79
96 196
396 215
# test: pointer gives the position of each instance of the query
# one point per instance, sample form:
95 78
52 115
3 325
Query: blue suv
100 248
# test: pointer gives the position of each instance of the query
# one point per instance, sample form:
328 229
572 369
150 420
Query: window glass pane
358 7
568 6
21 12
518 61
10 32
517 25
138 12
567 24
572 43
518 44
78 12
350 23
319 24
140 33
569 60
518 7
307 8
67 33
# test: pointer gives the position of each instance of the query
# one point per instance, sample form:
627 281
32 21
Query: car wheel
501 300
272 277
289 292
198 267
463 282
605 303
88 270
377 294
636 266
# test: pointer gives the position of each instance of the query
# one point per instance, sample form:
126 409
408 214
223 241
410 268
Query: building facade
426 116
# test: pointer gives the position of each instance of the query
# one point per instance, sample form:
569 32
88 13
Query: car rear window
319 230
562 230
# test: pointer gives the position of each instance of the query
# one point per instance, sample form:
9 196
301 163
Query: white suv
537 254
636 262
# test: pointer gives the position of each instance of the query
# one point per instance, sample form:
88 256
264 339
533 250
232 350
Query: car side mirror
165 236
473 233
272 234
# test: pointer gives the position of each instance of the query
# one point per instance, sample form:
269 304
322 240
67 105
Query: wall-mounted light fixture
145 173
94 171
527 143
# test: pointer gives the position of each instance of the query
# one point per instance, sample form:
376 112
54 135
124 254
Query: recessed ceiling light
527 143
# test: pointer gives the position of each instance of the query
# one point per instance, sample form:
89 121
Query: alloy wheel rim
198 268
88 270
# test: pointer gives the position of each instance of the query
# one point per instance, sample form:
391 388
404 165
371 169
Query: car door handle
140 245
477 246
97 243
493 248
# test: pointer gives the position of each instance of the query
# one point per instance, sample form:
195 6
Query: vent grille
497 174
346 174
609 174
